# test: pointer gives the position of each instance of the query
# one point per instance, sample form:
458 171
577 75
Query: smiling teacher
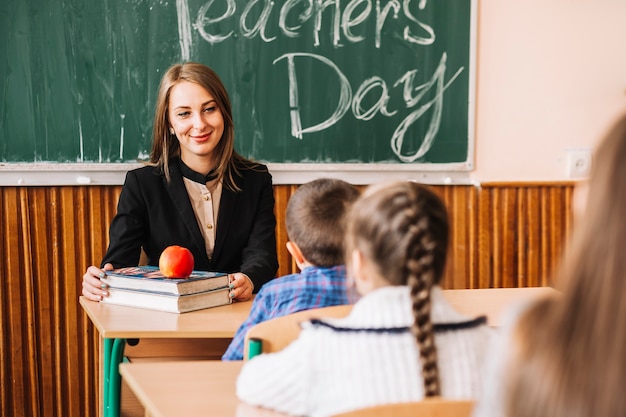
197 192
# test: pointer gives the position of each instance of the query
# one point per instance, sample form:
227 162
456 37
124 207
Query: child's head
402 230
315 219
397 234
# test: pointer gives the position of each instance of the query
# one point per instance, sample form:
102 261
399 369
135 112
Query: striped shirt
313 287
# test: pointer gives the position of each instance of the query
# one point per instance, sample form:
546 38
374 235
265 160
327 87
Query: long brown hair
402 229
569 358
165 145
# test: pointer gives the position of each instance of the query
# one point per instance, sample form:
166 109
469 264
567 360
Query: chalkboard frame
55 173
64 174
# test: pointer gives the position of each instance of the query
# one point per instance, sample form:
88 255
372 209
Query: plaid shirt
312 288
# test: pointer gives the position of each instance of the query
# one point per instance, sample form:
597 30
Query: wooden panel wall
504 235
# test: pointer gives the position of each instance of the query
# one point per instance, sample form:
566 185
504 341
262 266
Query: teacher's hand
241 287
93 288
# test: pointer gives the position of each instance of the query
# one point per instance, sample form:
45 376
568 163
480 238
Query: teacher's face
196 119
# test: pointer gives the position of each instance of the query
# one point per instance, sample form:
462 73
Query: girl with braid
565 356
401 342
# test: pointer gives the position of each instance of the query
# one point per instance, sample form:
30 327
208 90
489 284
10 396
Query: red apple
176 262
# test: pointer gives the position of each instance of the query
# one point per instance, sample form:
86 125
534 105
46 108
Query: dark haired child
315 220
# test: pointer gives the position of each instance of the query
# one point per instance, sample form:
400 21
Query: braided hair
402 229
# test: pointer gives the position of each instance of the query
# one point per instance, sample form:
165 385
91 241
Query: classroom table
200 388
191 388
493 302
116 323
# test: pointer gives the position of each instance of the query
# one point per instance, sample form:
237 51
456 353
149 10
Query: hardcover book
168 302
149 278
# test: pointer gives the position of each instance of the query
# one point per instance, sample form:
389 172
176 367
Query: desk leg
106 367
113 354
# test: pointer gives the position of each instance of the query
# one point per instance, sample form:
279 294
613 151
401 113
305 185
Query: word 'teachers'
294 14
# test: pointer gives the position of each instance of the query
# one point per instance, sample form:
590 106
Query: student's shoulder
146 173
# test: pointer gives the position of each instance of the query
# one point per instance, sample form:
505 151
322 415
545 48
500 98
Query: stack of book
146 287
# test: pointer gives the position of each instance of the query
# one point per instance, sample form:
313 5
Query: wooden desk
201 388
191 388
115 324
493 302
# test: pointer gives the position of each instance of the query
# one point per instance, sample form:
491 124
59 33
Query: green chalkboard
311 81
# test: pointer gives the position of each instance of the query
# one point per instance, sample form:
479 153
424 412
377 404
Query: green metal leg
113 355
108 348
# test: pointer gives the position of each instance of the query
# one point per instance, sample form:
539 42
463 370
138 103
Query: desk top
493 302
189 388
113 321
199 388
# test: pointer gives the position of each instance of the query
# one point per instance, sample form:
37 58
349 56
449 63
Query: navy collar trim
437 327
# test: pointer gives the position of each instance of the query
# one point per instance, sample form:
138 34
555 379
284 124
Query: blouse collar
196 176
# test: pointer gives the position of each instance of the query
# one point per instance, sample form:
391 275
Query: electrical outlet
578 163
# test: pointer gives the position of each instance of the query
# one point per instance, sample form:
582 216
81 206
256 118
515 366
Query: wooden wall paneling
101 205
65 261
483 257
49 269
530 225
494 226
528 237
544 247
29 314
43 219
15 364
282 193
98 207
459 201
510 260
4 316
502 235
70 244
23 300
564 230
568 223
450 271
518 272
490 252
557 227
547 254
472 240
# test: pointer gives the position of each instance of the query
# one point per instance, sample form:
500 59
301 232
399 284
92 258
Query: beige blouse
205 200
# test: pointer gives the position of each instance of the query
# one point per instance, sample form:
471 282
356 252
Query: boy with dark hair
315 226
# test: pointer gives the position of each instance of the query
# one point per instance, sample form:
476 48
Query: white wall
551 75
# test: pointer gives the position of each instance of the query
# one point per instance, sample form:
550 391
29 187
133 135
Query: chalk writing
122 116
255 21
184 29
347 23
311 81
290 21
347 101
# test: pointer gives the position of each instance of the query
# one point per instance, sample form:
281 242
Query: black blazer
154 215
